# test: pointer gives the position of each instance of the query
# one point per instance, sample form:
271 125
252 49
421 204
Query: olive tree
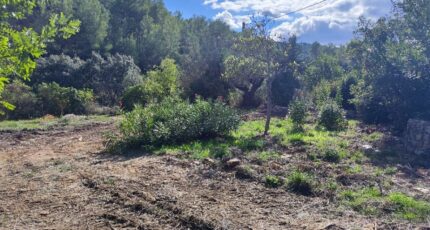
255 60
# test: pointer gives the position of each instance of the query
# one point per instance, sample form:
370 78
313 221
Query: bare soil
61 179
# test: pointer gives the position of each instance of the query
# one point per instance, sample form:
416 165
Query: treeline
136 52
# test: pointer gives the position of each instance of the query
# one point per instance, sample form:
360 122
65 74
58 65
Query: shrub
57 100
331 117
24 100
297 114
134 96
300 183
332 155
174 121
159 83
273 181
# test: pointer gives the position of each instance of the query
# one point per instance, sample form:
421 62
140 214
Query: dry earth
60 179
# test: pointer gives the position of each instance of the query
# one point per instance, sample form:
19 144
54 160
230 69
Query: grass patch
268 155
374 137
408 208
370 201
300 183
364 201
273 181
50 122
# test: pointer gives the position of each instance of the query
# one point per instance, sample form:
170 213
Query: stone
209 161
233 163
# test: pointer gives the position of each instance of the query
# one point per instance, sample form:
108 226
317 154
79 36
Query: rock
209 161
233 163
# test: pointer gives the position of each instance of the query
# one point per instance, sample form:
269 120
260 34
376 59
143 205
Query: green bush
175 121
159 83
331 117
297 114
24 100
300 183
332 155
57 100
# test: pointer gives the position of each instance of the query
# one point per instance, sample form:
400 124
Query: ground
61 178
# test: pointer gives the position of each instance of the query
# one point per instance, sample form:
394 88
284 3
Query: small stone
208 161
233 163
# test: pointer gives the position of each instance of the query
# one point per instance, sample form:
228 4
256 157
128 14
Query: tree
256 59
159 83
203 47
19 47
143 29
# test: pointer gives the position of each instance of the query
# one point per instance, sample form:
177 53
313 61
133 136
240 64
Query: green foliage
57 100
268 155
325 91
273 181
284 88
363 201
409 208
24 100
108 76
159 83
20 47
370 201
174 121
331 117
394 86
301 183
332 155
298 114
326 67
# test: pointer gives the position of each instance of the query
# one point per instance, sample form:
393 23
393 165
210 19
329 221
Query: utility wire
306 7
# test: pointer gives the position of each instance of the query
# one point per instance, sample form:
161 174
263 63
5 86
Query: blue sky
332 21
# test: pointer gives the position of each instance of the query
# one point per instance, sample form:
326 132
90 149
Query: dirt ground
61 179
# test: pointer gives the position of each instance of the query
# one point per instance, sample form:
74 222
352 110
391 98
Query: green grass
273 181
374 137
409 208
370 201
300 183
268 155
248 138
364 201
44 124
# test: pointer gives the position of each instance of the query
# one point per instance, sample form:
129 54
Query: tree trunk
269 105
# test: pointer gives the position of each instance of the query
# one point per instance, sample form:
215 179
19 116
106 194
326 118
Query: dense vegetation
181 84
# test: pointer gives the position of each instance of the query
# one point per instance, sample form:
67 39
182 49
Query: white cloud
235 22
332 16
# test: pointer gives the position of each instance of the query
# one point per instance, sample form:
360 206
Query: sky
329 21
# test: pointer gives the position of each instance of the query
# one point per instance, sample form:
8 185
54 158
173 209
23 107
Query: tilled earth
61 179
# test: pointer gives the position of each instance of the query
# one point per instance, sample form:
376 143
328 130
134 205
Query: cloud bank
332 21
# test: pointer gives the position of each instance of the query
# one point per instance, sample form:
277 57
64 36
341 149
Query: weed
374 137
220 152
109 181
273 181
357 157
266 156
390 171
354 169
245 172
301 183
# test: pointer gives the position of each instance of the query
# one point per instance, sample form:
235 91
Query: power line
306 7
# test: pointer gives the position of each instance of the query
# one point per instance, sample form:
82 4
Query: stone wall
417 136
